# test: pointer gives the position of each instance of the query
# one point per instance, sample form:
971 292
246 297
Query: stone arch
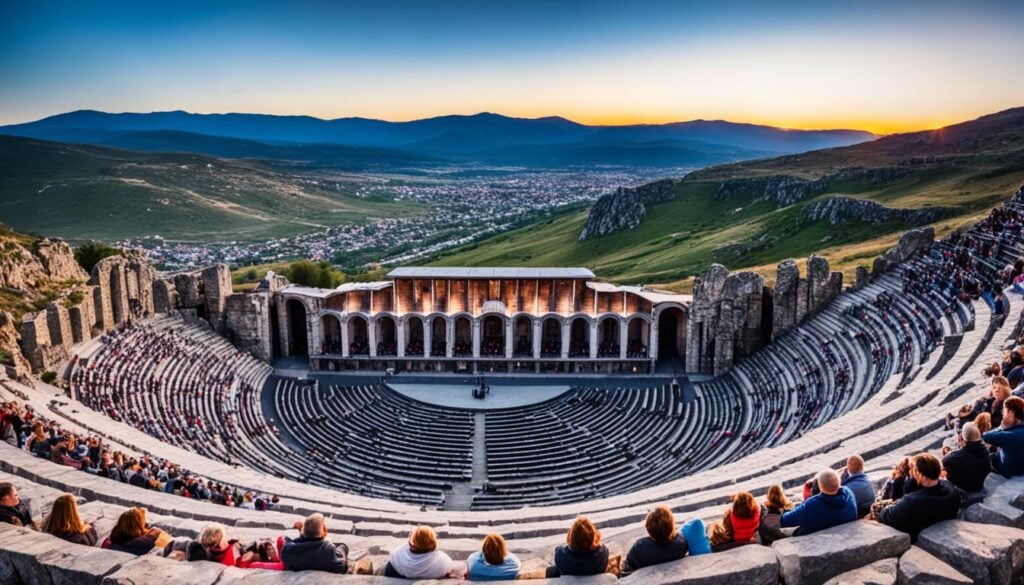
579 337
638 337
492 335
298 338
672 333
358 335
462 332
414 335
551 337
609 338
386 335
330 333
522 336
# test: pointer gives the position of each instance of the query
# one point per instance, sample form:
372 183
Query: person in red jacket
738 525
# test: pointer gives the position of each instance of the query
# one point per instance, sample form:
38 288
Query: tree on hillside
319 274
90 253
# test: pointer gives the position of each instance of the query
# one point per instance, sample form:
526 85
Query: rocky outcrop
783 190
786 190
625 208
725 320
15 363
839 210
124 290
914 242
27 265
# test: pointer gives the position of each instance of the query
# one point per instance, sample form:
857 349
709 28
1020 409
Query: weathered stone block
918 567
1004 504
820 556
156 569
881 572
752 564
988 554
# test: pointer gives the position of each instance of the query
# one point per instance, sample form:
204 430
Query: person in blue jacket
854 478
1009 461
835 505
493 562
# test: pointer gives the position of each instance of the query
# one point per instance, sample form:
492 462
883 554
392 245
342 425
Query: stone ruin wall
732 315
126 289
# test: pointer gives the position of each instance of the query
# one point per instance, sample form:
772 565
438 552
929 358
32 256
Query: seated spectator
854 478
969 465
419 558
775 505
12 509
935 501
583 553
900 481
64 522
493 562
696 536
312 551
835 505
739 524
1000 392
1009 460
662 544
216 547
131 535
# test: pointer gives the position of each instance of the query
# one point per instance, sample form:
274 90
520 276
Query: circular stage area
501 395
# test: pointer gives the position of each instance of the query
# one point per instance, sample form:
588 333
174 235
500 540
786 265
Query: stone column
509 337
371 335
344 339
537 331
400 336
449 335
623 338
283 328
566 333
593 339
476 333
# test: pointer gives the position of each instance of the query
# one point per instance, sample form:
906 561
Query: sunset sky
881 66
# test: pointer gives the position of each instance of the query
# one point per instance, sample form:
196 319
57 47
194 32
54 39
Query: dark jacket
1010 460
20 515
646 552
569 561
968 466
822 511
136 546
919 510
314 554
87 538
863 491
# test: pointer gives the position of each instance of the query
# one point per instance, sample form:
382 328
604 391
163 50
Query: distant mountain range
355 143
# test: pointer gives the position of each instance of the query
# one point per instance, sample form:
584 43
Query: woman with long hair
131 535
775 504
64 522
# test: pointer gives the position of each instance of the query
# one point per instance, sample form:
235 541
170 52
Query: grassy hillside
84 192
970 167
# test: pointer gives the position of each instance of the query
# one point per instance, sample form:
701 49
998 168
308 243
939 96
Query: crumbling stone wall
725 319
794 299
124 290
247 322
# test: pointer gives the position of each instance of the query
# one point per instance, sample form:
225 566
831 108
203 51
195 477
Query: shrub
90 253
48 376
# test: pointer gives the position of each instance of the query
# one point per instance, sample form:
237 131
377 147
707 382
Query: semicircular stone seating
872 374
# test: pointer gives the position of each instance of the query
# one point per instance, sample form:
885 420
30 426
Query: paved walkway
503 394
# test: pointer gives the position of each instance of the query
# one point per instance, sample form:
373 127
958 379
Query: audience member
935 501
64 522
738 525
312 551
582 554
775 505
419 558
493 562
662 544
835 505
131 535
969 465
1009 460
12 509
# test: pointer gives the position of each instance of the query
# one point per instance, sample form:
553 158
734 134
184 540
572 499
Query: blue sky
882 66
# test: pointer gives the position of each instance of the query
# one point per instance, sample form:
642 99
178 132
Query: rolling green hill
748 215
89 192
